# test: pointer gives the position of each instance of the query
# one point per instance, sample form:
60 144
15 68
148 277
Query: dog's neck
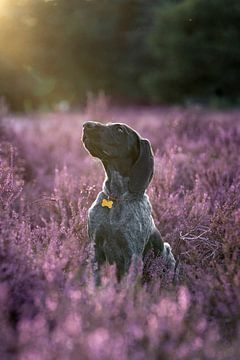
115 184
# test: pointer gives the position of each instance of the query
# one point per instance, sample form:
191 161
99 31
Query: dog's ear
142 171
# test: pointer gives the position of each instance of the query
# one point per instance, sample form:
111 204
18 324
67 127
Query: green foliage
160 50
195 45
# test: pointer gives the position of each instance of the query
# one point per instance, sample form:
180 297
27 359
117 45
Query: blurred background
59 52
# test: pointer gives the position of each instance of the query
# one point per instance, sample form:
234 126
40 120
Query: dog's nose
90 125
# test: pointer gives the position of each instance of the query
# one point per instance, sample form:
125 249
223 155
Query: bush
49 305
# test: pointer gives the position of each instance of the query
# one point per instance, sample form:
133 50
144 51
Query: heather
50 307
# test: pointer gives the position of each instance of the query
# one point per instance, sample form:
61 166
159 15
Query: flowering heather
49 305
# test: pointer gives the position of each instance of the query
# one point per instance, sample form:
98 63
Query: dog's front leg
98 260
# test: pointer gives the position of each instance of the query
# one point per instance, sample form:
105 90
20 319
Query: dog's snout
91 125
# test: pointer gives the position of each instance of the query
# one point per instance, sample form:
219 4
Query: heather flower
49 304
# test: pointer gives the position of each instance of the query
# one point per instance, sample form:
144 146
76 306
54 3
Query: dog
120 222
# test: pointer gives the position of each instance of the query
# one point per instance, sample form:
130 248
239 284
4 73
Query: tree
195 47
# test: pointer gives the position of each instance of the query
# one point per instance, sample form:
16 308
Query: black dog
119 221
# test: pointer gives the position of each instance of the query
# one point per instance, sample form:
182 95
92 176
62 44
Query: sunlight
8 7
4 7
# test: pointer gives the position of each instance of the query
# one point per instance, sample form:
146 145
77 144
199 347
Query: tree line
155 51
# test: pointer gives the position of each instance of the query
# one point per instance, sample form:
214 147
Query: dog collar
107 203
109 200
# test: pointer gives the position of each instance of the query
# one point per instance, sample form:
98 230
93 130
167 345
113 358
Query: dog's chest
131 218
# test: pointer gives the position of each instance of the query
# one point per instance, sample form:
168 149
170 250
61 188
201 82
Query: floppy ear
142 171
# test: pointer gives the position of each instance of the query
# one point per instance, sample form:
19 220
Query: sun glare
7 7
4 7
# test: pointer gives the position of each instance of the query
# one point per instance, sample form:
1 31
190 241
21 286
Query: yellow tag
107 203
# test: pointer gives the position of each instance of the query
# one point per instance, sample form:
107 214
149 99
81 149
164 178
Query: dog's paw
168 257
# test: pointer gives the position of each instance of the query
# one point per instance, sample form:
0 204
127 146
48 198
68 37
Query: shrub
49 305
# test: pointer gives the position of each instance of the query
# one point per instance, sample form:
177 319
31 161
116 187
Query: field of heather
49 305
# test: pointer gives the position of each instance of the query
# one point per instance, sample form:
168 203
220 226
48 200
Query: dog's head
121 148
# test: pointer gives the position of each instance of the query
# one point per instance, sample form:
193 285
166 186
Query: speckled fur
125 231
128 216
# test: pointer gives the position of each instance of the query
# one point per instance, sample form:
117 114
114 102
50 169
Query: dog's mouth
90 135
107 153
93 141
92 146
88 139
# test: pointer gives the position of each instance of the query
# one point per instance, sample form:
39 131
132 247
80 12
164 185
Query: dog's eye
120 130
